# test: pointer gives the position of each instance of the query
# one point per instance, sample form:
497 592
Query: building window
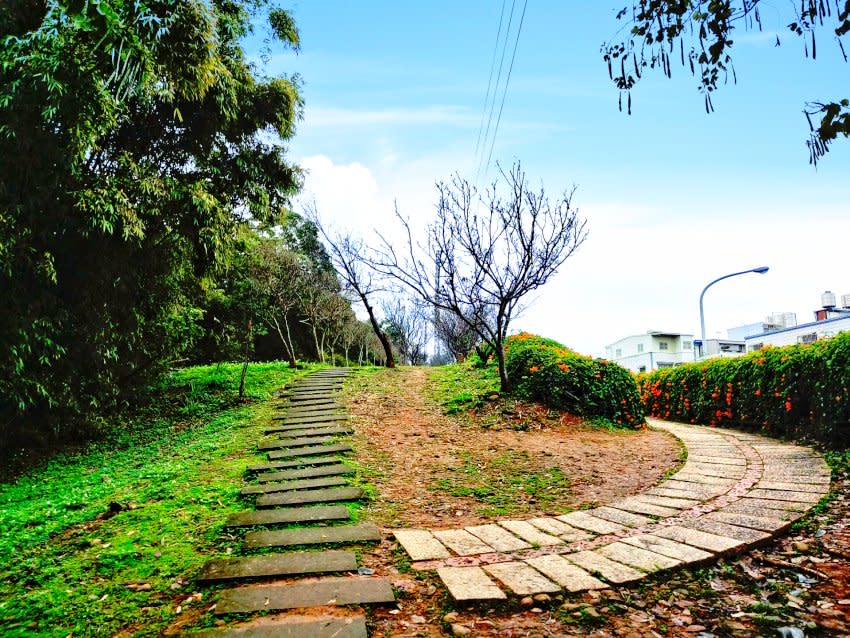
687 345
642 369
662 345
665 364
618 352
809 338
640 347
756 346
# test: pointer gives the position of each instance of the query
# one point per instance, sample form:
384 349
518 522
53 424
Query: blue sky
395 94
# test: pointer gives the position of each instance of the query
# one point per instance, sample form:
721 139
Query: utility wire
490 79
498 81
507 81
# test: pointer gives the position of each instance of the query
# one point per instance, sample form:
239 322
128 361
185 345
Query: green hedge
546 371
798 391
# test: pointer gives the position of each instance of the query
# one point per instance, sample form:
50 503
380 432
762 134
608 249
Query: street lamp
760 270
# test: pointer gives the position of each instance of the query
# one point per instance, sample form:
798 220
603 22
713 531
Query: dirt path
433 470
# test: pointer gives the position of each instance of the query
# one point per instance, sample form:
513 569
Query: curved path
735 490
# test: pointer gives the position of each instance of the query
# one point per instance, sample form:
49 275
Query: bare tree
484 253
346 253
454 334
277 282
407 326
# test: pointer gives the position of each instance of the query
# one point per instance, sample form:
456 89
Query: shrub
797 391
546 371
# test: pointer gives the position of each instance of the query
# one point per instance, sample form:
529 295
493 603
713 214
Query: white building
829 320
653 350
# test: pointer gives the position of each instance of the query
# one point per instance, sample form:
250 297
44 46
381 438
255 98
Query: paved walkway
735 490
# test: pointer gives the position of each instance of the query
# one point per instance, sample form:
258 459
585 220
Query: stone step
311 496
362 533
300 420
288 564
294 627
306 461
291 486
298 397
294 427
277 444
337 469
313 450
289 515
319 430
355 590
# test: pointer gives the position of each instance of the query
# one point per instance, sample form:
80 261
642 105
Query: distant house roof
799 326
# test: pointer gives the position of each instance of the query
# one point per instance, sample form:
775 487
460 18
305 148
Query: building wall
799 334
625 352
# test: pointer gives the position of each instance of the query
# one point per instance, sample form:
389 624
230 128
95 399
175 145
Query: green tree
699 34
131 149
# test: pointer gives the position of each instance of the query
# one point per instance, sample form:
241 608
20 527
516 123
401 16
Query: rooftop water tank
827 299
845 301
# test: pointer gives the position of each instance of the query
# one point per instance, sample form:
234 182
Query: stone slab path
736 489
332 627
305 488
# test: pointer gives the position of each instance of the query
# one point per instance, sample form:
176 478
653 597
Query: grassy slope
66 569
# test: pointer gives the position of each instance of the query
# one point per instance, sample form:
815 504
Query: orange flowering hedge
546 371
800 390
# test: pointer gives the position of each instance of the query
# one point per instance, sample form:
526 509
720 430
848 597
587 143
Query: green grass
462 386
505 485
175 469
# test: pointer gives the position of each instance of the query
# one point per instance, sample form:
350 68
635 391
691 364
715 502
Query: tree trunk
293 363
382 336
287 349
320 356
504 382
245 363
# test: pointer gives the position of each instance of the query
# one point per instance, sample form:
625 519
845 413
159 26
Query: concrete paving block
521 578
420 544
291 486
633 504
566 533
621 517
637 557
610 570
697 538
569 576
304 497
312 450
307 461
462 542
295 627
668 501
785 495
287 564
469 583
337 469
585 520
353 590
745 534
530 533
814 488
497 538
289 515
667 547
360 533
746 520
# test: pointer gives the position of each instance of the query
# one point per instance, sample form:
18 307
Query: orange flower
533 369
564 367
787 405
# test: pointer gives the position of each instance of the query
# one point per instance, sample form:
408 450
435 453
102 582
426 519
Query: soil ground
438 471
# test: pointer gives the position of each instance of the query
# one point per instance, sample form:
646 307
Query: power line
490 79
498 80
507 81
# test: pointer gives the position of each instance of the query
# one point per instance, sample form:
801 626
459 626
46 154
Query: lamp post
760 270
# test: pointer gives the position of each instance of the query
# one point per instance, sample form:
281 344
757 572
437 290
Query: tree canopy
699 34
133 143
